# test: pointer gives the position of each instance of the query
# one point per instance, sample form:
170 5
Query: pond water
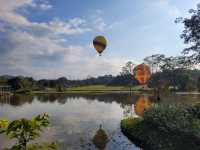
80 121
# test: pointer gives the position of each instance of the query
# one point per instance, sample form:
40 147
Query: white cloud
8 8
38 60
166 6
41 4
45 6
35 57
39 49
73 26
8 14
38 57
99 24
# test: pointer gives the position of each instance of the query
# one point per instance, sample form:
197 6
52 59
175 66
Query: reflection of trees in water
62 99
123 99
106 98
100 139
17 100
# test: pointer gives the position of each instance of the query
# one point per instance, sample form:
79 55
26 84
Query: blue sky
53 38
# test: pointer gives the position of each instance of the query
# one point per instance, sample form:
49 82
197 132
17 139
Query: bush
25 131
173 118
165 127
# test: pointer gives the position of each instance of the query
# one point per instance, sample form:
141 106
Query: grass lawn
94 89
103 88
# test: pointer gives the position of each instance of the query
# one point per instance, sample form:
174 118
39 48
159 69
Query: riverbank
96 89
165 127
188 93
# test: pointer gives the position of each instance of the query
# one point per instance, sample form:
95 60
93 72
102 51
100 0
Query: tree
15 83
191 36
127 74
182 80
128 68
22 83
198 83
60 88
154 61
173 69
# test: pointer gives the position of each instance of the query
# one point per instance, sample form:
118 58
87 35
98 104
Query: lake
76 119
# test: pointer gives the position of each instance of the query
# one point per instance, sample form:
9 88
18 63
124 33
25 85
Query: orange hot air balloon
142 73
100 44
142 104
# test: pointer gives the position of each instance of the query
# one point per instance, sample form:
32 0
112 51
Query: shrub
165 127
24 130
173 118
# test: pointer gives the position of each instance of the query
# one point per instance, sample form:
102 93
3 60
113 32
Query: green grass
98 88
103 88
95 89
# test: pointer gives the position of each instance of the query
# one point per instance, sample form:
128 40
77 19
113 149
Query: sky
53 38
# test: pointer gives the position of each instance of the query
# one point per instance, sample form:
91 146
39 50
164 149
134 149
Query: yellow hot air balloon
100 44
142 73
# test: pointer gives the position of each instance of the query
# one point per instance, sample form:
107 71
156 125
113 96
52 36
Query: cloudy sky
53 38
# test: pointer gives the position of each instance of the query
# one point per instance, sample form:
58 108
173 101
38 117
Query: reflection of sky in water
74 122
75 119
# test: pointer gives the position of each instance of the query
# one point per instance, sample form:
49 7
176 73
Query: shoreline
188 93
86 92
107 91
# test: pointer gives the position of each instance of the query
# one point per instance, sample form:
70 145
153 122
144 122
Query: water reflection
122 99
75 117
100 139
19 100
16 100
137 105
142 104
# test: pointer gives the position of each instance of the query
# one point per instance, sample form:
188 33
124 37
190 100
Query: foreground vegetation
26 131
165 127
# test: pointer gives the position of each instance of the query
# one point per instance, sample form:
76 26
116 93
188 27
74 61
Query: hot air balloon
100 44
142 73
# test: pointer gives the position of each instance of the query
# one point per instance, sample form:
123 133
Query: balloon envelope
100 43
142 73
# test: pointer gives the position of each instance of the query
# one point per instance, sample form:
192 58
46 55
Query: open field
101 88
96 89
